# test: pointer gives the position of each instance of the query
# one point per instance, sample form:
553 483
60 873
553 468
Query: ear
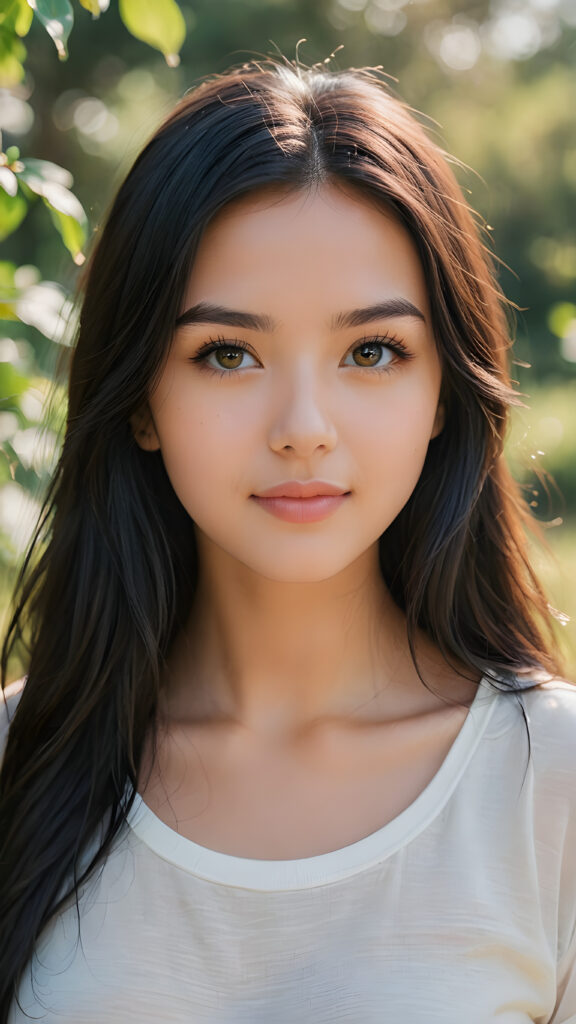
144 431
439 419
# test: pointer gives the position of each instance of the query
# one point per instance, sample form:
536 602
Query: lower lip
302 510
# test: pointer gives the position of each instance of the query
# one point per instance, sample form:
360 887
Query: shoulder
9 700
551 717
552 706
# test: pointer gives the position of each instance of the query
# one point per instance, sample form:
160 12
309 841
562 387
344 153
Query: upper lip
296 489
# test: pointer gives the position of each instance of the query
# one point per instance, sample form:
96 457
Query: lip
301 510
306 489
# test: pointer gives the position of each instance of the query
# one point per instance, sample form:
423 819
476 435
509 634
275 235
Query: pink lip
301 510
295 489
307 502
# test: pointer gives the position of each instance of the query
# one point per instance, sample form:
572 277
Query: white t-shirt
462 910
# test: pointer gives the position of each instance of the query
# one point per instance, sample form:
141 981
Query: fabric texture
463 908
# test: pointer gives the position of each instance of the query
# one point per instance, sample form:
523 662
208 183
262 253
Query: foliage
29 434
24 180
157 22
542 451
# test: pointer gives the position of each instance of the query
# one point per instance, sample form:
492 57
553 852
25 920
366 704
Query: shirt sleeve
555 751
565 1009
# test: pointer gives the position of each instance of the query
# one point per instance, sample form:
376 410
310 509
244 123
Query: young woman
292 744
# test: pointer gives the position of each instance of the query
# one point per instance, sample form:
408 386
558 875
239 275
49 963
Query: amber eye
370 353
229 358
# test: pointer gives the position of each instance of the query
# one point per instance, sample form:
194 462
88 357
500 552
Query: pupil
370 352
228 356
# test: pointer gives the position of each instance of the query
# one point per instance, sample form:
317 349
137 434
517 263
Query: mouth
309 509
303 490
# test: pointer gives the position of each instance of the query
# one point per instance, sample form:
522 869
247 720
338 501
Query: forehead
324 248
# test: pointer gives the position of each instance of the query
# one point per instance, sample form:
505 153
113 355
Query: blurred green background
496 80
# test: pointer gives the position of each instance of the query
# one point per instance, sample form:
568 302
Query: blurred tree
27 362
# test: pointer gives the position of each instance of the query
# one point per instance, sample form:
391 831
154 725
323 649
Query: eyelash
388 341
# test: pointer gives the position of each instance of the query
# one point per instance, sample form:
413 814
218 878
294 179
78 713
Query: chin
298 570
283 560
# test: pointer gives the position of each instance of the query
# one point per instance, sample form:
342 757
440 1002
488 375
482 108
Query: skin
294 642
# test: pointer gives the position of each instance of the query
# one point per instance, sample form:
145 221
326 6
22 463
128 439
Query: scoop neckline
334 865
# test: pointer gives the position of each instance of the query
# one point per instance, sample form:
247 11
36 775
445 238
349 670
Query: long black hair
110 576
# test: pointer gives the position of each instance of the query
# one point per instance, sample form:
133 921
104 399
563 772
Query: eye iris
229 358
369 353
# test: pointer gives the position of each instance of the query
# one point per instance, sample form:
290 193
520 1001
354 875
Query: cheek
390 439
397 424
396 460
200 448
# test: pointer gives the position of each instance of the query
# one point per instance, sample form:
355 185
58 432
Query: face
304 353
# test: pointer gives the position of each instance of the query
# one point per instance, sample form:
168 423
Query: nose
300 421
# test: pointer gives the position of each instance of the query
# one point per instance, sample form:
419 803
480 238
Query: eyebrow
379 311
208 313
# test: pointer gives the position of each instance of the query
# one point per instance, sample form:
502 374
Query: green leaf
7 274
72 232
93 6
13 209
160 23
12 57
16 16
23 19
12 383
560 318
49 181
10 12
57 17
8 291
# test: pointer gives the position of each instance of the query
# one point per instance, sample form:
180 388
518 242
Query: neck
282 658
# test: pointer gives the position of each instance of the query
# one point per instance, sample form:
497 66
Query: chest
267 801
421 939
